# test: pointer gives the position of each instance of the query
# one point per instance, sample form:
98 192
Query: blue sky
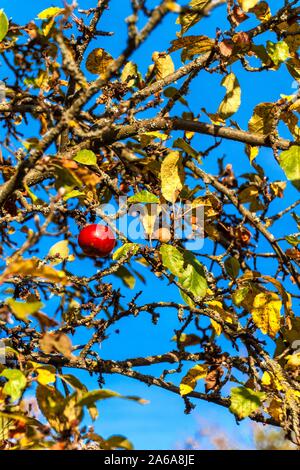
162 423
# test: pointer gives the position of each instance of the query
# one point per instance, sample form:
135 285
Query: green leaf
193 279
279 52
144 197
232 267
16 383
49 13
124 249
86 157
3 25
172 259
290 163
245 401
22 310
187 268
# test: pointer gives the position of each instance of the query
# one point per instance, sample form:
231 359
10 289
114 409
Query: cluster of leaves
94 145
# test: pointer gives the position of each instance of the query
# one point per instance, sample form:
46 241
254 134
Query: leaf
262 11
186 147
232 100
51 404
188 339
189 18
193 279
126 276
247 4
245 401
118 442
189 381
93 396
34 268
60 251
172 176
290 163
124 249
98 62
260 122
46 374
129 74
56 342
187 268
266 312
164 65
4 25
149 217
192 45
232 267
86 157
22 310
279 52
172 259
16 383
49 13
143 197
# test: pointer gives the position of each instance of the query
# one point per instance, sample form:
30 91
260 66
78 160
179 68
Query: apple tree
88 119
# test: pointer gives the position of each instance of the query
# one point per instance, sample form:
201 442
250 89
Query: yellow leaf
275 409
34 268
225 315
22 310
266 312
129 74
98 62
247 4
189 381
232 100
262 11
59 251
261 123
172 176
293 361
50 13
151 212
164 65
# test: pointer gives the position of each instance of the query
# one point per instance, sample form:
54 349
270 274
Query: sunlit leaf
98 62
232 100
172 176
3 25
164 65
290 163
16 383
22 310
86 157
189 381
245 401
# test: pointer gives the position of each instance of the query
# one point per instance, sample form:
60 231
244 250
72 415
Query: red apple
96 240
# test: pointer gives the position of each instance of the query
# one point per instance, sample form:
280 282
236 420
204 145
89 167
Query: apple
96 240
162 234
